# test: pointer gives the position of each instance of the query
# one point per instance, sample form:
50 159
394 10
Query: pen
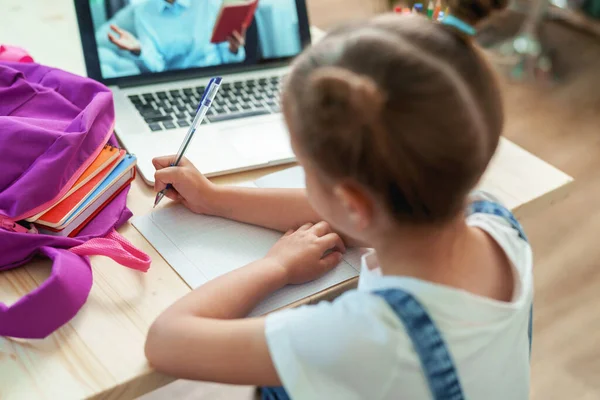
207 98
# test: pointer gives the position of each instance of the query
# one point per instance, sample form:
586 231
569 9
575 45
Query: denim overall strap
427 340
273 393
495 208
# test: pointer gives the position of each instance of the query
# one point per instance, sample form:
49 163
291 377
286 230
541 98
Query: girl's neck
429 253
454 255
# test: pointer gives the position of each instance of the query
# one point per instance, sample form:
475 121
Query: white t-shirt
357 348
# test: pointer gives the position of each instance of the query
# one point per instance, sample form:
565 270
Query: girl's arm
201 336
278 209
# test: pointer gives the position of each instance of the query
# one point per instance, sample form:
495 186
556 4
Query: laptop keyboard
172 109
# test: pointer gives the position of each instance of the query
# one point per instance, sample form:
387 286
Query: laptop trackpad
261 142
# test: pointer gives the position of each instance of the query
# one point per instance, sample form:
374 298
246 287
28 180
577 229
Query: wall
328 13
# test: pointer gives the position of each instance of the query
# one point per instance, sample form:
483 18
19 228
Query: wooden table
99 354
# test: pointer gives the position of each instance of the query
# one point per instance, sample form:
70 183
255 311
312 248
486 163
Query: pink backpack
52 126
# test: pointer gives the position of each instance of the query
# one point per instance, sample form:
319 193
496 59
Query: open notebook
200 248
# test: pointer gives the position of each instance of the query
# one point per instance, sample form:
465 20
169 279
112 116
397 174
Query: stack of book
101 182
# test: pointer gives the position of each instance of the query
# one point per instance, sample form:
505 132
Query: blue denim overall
429 345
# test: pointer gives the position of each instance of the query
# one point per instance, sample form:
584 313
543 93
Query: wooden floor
562 126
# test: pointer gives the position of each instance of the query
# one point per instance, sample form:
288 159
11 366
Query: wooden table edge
135 387
529 208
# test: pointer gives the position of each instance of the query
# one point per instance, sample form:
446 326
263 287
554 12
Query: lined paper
200 248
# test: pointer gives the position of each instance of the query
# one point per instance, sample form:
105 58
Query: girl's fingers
163 162
305 227
171 175
321 228
328 262
332 241
165 176
173 194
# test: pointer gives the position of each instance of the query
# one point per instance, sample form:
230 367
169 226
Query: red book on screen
235 15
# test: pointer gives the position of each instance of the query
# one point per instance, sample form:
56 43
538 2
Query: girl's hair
406 107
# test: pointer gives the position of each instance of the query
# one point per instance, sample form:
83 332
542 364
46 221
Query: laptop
157 57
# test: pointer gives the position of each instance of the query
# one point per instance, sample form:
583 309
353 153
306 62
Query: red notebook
235 15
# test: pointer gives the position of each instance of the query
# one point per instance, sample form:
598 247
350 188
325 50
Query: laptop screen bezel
87 33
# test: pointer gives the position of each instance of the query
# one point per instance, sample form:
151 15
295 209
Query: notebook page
290 178
200 248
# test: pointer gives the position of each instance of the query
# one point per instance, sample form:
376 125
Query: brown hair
406 107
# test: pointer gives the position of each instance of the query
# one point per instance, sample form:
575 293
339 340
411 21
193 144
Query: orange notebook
58 214
235 15
106 156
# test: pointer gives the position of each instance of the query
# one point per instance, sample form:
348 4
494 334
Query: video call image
149 36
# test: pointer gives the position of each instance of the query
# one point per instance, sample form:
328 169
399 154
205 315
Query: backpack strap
427 340
55 302
116 247
39 313
485 203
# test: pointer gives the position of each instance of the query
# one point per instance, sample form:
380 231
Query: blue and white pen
207 99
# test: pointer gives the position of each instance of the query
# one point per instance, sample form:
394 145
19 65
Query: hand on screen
237 40
125 40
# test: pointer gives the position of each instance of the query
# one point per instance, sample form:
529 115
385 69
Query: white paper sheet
290 178
200 248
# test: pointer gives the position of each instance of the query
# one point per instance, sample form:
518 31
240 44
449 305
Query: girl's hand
190 187
301 253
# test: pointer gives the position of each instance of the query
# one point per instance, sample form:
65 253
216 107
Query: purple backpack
52 126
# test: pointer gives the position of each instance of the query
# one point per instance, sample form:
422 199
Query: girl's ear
357 204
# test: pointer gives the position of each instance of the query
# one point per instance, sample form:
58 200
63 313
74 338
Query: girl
394 121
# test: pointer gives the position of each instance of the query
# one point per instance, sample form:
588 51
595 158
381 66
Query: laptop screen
146 37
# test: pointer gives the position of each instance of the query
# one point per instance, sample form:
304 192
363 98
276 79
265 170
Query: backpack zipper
12 226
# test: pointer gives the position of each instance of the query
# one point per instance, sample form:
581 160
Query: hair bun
339 94
474 11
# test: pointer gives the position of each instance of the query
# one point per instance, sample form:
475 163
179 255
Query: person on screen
277 24
161 35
